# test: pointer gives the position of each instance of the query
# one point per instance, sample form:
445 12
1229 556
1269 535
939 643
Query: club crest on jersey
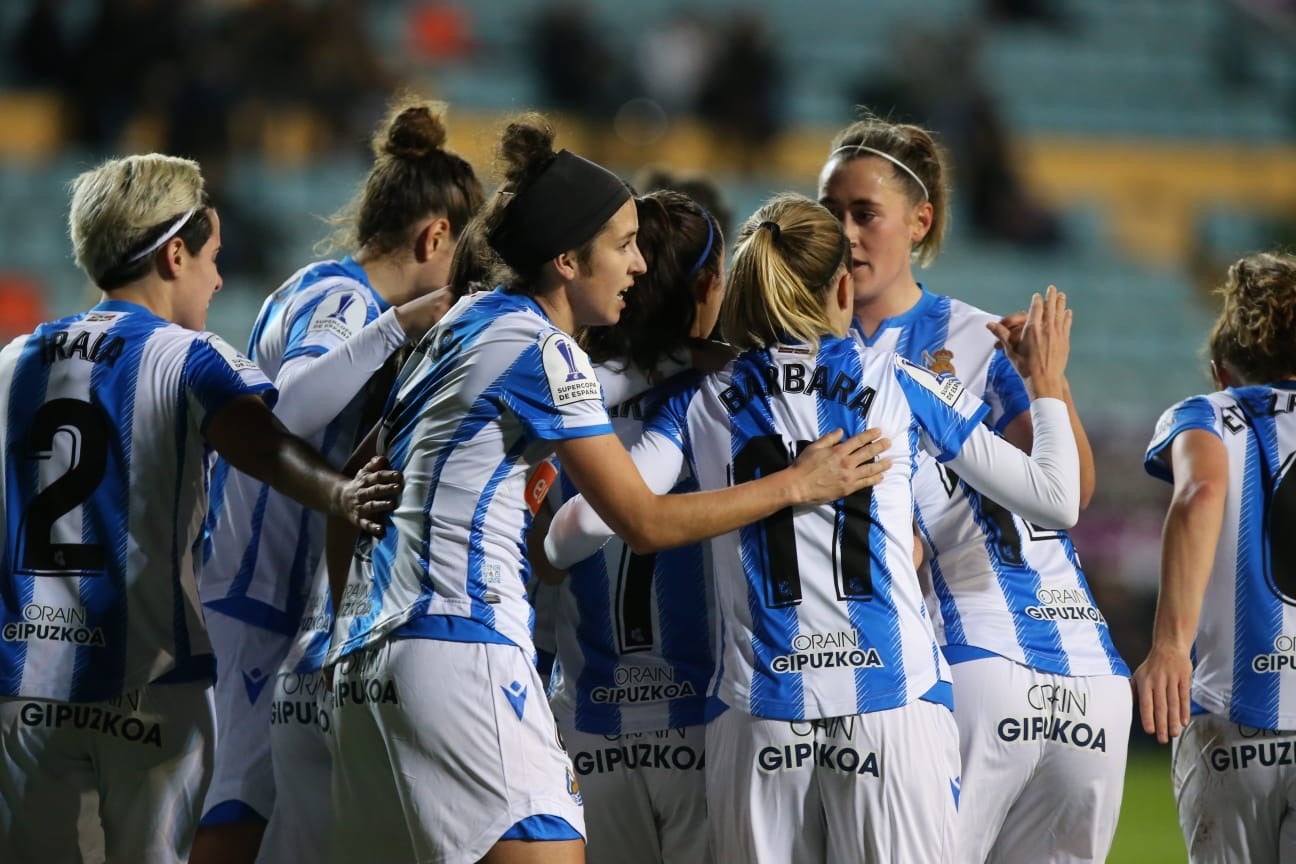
943 386
568 371
940 361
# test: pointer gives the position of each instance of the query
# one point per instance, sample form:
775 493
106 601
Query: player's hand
421 314
1164 685
708 355
1040 351
371 494
831 468
1014 324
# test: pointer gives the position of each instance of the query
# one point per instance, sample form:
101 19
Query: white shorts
247 657
123 778
867 787
441 748
645 795
301 737
1043 762
1236 791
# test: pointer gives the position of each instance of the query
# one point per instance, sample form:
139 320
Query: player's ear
171 257
566 265
1219 371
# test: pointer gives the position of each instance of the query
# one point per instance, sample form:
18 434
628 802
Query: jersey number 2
852 567
90 429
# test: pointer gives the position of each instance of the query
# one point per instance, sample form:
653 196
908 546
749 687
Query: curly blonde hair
1255 334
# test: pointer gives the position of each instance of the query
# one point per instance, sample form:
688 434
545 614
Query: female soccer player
1220 678
634 653
106 417
320 337
446 748
838 745
1040 693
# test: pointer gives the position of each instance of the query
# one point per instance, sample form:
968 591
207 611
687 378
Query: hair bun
413 131
525 146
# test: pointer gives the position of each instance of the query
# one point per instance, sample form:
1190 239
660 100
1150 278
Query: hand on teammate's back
421 314
831 468
372 493
1040 349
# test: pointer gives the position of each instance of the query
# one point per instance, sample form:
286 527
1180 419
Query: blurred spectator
1046 12
945 91
576 70
672 60
741 89
440 32
39 50
22 305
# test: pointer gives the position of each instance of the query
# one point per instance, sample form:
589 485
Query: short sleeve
669 418
215 373
1194 413
328 319
1005 393
553 391
941 405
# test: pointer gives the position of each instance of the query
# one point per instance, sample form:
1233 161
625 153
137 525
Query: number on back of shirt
82 430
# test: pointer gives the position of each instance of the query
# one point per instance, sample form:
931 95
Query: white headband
856 148
166 235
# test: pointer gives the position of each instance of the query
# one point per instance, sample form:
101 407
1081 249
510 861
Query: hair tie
773 229
706 250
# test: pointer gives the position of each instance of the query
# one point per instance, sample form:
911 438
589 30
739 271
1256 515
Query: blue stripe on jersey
31 376
929 328
104 596
215 505
684 630
1118 666
483 611
1255 602
589 583
1005 382
874 619
951 620
1020 585
772 626
1194 413
946 427
297 330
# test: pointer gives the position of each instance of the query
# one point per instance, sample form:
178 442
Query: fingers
1146 708
828 440
1001 333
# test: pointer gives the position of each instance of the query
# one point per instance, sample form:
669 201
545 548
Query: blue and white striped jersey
634 631
264 546
104 474
1244 653
820 612
479 405
999 585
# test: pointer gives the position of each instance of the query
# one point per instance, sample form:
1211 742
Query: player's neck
895 300
392 280
152 294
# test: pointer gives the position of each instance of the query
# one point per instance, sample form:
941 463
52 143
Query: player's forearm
1088 471
1188 543
678 520
312 392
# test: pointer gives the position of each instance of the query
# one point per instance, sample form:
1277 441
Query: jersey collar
355 271
905 318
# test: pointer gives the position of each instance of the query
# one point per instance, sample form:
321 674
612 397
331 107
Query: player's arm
828 469
1020 431
254 441
1188 539
314 388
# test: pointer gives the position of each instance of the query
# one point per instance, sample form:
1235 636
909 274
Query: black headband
558 210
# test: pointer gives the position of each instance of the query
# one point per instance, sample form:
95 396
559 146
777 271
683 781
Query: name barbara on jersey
792 378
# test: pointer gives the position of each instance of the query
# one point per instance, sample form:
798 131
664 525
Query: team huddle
554 525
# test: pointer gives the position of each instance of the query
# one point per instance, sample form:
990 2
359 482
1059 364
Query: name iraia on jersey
63 345
800 378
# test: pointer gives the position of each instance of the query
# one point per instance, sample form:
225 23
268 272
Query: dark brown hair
1255 334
